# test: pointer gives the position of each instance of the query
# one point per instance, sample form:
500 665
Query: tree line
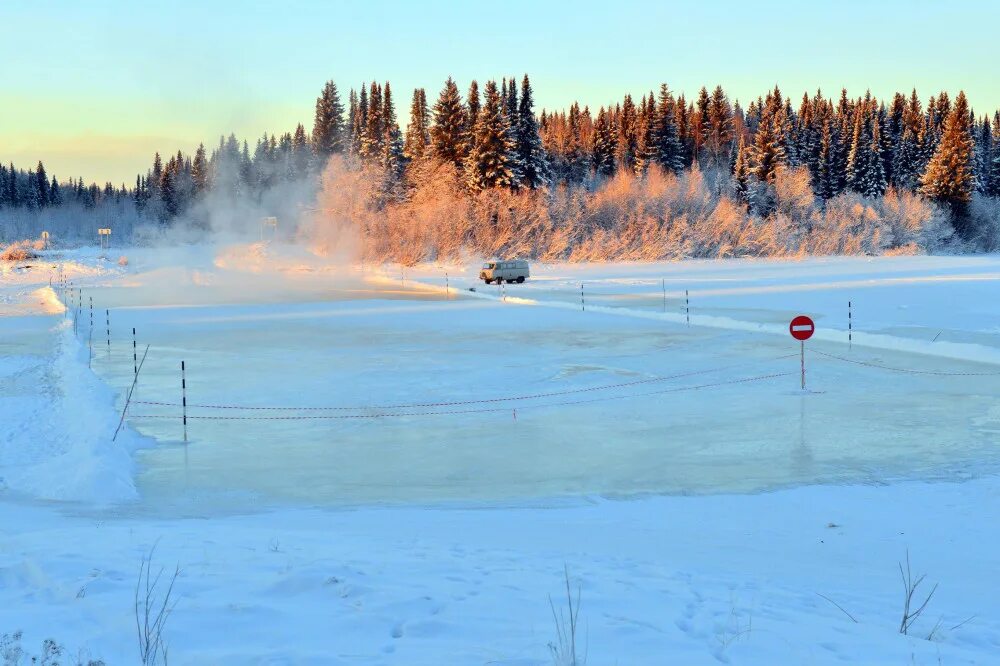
491 140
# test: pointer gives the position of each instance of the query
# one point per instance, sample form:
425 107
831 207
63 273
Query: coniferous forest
484 172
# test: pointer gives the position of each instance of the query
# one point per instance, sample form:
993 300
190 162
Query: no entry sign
802 328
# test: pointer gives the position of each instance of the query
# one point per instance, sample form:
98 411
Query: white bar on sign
802 328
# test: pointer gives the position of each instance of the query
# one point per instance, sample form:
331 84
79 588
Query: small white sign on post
45 240
268 223
105 236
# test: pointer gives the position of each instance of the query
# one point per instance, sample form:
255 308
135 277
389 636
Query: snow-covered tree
328 136
491 162
531 155
949 176
449 131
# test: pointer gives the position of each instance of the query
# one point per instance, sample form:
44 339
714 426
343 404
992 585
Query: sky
95 88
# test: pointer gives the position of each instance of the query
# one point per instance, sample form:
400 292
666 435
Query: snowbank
57 443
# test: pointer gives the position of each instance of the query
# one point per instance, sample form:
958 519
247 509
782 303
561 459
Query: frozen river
390 393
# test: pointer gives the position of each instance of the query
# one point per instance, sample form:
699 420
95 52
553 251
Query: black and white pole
687 308
90 336
447 286
184 401
850 324
583 304
107 328
135 356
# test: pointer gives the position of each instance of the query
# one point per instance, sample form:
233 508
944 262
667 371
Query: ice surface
348 341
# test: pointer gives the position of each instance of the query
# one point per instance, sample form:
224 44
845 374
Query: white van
511 271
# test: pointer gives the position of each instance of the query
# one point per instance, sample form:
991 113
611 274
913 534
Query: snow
726 500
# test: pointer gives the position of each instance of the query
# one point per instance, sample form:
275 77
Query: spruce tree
373 135
41 186
448 133
666 147
392 139
742 174
300 152
865 171
530 152
418 131
995 169
626 142
328 127
199 170
769 154
826 167
603 145
949 178
983 156
491 162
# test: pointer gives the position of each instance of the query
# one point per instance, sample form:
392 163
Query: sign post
45 240
105 236
802 328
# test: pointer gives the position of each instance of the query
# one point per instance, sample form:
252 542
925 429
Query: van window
488 265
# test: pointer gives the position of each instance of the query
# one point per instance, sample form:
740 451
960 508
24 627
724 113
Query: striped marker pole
447 286
687 308
135 356
90 337
107 325
184 401
583 304
850 324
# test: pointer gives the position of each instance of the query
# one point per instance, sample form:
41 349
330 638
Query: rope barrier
939 373
457 403
679 389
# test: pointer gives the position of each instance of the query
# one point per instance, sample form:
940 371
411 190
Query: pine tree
645 146
359 121
199 170
626 142
373 136
769 154
41 186
826 168
534 166
328 127
491 162
300 152
392 139
995 169
907 159
720 126
471 115
603 145
448 133
741 174
949 177
667 150
983 156
418 131
574 153
865 171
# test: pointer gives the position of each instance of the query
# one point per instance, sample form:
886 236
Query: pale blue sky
93 88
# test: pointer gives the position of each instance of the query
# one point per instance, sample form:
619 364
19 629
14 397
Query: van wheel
487 281
520 279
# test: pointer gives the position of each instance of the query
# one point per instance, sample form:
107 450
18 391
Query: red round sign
802 328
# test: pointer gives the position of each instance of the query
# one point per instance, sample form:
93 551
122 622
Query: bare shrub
19 251
564 648
912 612
153 606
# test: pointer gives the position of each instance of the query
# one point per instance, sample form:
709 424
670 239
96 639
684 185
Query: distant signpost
268 223
45 240
802 328
105 236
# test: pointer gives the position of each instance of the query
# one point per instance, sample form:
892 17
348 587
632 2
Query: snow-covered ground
433 460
